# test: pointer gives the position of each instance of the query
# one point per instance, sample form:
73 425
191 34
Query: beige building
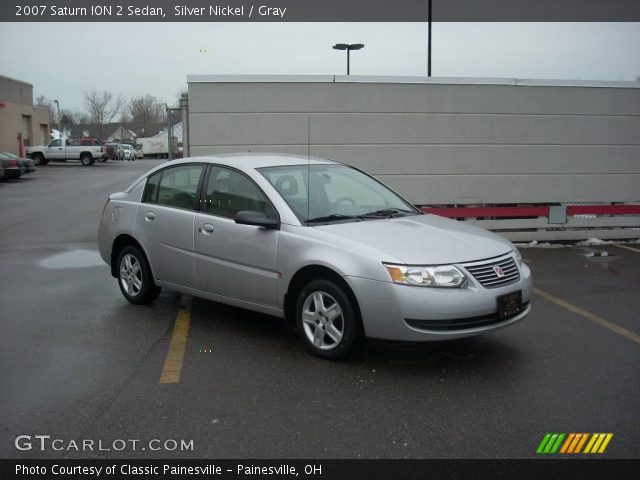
19 116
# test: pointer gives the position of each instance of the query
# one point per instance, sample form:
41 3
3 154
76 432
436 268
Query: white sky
63 59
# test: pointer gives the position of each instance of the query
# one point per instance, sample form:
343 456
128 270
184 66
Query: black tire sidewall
149 291
352 330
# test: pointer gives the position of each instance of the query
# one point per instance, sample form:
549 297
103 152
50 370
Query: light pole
429 7
348 47
58 116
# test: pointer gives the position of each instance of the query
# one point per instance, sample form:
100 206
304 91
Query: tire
38 159
134 277
87 160
327 320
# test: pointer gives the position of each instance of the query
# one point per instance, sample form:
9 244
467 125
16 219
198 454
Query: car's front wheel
134 277
327 320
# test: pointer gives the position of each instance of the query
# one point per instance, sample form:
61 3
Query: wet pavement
78 362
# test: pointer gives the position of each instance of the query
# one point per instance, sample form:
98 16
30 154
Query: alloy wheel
130 274
322 320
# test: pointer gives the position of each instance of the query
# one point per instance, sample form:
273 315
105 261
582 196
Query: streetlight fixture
58 116
348 47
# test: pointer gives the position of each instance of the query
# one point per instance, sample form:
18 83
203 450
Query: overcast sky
63 59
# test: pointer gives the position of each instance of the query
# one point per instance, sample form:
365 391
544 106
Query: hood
423 239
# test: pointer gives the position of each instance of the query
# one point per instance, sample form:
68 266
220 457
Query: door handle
150 216
207 229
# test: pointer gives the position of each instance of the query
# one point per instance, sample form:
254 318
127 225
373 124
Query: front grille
462 323
485 272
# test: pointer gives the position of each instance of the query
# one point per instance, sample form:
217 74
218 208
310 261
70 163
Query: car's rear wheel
327 320
86 159
134 277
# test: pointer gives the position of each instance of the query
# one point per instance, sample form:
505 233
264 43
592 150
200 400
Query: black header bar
319 11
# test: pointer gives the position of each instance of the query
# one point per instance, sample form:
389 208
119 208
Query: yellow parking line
629 248
175 355
589 316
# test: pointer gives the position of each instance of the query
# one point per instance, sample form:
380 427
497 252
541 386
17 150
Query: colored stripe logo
573 443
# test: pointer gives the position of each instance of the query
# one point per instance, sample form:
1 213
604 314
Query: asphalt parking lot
78 362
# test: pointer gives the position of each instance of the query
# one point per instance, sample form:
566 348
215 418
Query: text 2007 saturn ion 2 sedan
319 243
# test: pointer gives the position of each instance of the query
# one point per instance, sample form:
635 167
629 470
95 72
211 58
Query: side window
178 186
151 191
174 187
55 143
229 192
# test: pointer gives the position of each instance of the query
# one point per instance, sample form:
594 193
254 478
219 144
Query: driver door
237 261
55 150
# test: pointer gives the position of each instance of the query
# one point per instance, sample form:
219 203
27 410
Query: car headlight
518 255
424 276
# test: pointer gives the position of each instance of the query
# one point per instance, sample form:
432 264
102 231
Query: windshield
336 193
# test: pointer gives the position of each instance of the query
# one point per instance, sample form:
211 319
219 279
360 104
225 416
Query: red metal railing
525 211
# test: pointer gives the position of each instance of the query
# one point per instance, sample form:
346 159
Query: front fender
300 247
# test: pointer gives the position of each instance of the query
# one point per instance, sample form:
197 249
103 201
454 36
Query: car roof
251 160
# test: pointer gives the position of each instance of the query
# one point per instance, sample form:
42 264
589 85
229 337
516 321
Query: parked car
12 168
1 172
325 246
128 152
28 164
87 150
111 151
138 149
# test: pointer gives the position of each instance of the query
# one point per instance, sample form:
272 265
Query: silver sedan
328 248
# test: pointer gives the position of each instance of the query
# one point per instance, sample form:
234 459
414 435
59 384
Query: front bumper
407 313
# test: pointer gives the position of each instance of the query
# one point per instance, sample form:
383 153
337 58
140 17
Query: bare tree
67 119
146 113
125 117
80 117
102 107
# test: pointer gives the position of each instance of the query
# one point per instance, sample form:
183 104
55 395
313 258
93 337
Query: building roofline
409 80
16 80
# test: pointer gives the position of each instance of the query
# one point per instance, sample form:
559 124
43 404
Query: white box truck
154 147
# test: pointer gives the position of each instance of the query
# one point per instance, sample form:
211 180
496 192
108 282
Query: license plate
509 304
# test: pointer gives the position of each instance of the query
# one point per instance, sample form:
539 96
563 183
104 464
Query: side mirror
258 219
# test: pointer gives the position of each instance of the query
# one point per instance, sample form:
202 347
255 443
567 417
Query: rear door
237 261
165 222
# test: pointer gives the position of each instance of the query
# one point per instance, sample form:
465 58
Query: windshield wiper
330 218
387 212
